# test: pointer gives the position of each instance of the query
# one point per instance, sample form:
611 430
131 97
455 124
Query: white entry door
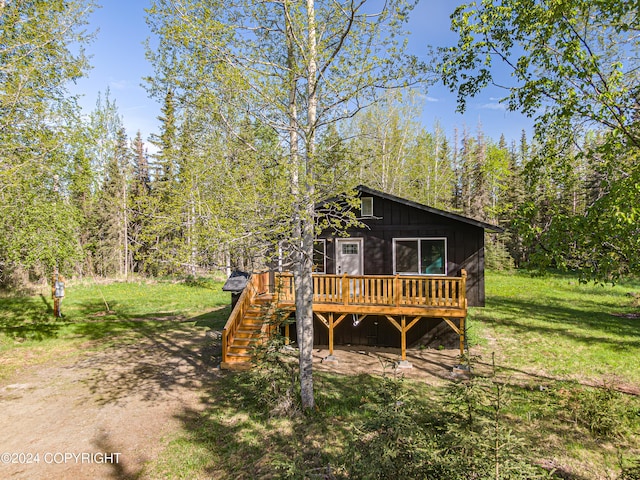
349 256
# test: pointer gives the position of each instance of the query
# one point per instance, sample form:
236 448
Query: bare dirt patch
120 400
127 399
430 365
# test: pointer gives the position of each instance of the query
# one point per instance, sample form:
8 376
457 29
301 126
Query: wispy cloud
493 106
431 99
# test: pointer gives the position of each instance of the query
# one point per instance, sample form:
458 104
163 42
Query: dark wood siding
465 242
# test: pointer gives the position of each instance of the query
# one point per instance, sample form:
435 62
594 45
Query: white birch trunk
301 280
304 265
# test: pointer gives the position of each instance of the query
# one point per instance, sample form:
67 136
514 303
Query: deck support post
331 334
462 319
403 332
403 323
403 328
403 363
459 330
331 323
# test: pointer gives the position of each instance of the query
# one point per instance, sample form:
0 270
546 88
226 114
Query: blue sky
118 59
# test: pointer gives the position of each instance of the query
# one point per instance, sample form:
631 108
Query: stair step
251 326
248 332
236 366
239 356
244 341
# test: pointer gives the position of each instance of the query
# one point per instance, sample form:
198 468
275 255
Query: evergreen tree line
197 205
79 196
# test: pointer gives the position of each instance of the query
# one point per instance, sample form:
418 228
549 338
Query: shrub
390 444
600 410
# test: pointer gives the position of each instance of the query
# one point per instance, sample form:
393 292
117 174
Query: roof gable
435 211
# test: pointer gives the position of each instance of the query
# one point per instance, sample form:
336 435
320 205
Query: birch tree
41 51
297 66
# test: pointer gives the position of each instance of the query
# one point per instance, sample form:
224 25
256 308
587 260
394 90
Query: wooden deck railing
382 290
390 296
258 284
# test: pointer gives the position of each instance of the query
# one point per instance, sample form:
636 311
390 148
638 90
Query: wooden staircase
250 332
247 325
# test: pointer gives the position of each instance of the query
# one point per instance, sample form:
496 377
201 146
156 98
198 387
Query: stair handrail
256 285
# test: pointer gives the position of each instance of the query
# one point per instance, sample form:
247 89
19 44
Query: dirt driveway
108 412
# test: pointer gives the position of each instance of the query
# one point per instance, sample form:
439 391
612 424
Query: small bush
390 444
275 378
477 441
600 410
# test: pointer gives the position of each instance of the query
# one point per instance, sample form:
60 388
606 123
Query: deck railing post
345 289
462 292
396 291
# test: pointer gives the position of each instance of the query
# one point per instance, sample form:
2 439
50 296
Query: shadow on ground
29 318
151 359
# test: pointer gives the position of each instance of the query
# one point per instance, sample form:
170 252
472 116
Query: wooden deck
402 300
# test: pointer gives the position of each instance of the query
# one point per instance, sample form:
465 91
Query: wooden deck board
424 311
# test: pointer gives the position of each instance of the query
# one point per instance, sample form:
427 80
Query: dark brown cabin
406 238
405 270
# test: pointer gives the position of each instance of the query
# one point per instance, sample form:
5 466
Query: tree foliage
294 67
574 66
40 53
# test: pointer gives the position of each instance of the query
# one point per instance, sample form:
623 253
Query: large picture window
420 256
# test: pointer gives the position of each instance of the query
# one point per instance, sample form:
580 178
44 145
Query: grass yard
558 328
104 312
564 396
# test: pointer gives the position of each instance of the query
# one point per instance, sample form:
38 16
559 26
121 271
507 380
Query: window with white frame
420 256
366 206
320 256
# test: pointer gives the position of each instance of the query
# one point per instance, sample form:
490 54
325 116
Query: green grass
30 334
553 338
554 326
236 437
